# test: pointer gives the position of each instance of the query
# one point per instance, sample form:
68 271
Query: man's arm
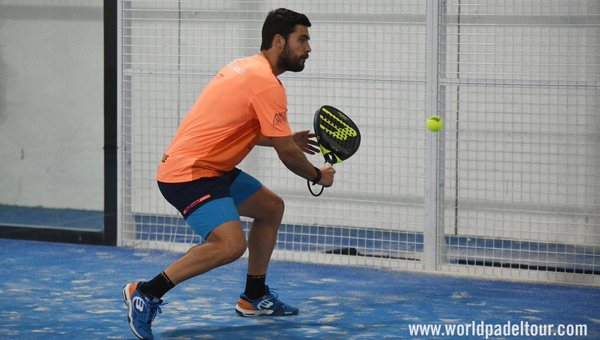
294 159
264 141
304 139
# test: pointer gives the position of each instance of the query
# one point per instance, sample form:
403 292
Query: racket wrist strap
318 178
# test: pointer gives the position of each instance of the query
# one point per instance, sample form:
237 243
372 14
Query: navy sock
158 286
255 286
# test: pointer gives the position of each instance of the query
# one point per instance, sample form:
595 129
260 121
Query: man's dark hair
283 22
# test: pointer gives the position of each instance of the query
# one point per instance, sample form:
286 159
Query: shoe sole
265 312
127 300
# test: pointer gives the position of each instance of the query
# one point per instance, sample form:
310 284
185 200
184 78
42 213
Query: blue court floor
65 291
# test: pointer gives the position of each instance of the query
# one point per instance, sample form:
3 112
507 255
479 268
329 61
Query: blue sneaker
142 310
269 305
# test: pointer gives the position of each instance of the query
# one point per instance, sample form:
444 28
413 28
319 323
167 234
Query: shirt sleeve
270 107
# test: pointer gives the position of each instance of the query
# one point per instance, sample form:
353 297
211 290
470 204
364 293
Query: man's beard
289 62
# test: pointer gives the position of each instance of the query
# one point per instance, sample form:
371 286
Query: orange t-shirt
244 101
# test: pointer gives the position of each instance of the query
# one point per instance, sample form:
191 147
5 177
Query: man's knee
229 242
265 205
272 210
277 205
233 250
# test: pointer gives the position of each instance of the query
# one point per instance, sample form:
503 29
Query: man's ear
278 41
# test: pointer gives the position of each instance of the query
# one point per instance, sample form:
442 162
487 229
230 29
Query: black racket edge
326 141
323 140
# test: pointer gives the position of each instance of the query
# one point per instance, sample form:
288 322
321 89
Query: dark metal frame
109 234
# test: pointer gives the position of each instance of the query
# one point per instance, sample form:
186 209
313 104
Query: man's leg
224 245
266 208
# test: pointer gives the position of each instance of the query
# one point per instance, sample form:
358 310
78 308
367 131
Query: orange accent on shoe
132 288
245 305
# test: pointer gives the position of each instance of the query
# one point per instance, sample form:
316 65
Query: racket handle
327 164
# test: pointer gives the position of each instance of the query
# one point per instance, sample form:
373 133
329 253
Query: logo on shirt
280 118
237 69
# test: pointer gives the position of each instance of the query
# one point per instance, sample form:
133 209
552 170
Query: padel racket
337 135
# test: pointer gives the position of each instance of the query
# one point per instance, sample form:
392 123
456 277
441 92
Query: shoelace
273 295
153 309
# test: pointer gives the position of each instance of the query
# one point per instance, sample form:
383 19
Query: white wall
51 104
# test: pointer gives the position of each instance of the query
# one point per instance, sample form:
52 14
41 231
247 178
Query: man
243 106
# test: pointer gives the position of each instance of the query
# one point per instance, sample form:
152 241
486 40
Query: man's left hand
306 142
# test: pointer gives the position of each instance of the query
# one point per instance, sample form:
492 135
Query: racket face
337 134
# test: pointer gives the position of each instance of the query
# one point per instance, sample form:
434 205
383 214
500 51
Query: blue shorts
206 203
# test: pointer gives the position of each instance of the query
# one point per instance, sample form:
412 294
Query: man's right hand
327 173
